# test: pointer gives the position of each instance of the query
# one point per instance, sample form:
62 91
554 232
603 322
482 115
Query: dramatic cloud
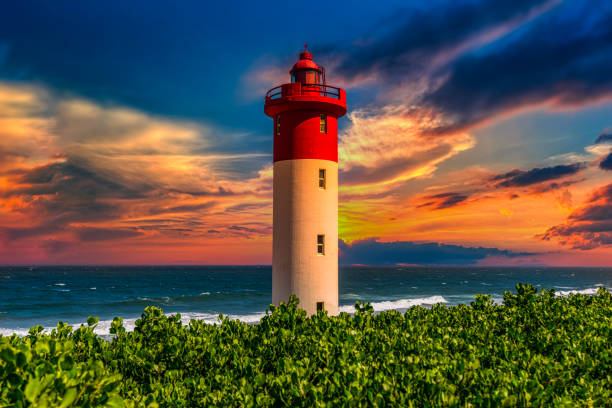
158 157
589 226
374 252
477 60
388 146
426 38
443 200
533 66
604 137
74 172
531 182
521 178
606 163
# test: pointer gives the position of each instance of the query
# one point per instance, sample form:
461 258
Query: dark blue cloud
418 35
373 252
521 178
483 58
563 57
444 200
604 137
606 164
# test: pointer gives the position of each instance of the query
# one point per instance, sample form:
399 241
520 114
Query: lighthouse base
304 211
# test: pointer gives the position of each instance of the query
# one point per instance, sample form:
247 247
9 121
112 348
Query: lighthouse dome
306 70
305 62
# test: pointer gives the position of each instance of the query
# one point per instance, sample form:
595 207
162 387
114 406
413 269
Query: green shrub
534 350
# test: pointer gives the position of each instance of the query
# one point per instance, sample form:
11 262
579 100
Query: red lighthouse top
306 70
307 90
305 113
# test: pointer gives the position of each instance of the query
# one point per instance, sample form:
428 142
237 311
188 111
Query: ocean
44 295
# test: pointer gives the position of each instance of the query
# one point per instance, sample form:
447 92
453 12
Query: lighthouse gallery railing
297 89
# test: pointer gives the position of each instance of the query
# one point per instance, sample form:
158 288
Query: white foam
163 299
103 326
59 284
397 304
204 293
589 291
9 332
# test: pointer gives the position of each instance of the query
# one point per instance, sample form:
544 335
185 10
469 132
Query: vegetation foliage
534 350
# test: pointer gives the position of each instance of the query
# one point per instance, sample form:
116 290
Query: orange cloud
385 147
77 177
86 183
588 226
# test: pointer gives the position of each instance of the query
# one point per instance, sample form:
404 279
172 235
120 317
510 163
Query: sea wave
589 291
351 296
103 326
162 299
152 300
398 304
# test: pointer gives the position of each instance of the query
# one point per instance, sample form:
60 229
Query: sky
478 132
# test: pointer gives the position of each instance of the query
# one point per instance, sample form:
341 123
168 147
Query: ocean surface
44 295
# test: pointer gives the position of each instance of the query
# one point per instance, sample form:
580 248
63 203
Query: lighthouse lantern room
305 114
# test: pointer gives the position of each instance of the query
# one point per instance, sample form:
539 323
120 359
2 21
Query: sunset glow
490 136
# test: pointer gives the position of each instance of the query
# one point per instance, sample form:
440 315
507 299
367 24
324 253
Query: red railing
297 89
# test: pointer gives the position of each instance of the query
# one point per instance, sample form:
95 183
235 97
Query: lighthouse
305 114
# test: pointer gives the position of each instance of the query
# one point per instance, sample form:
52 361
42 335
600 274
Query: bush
534 350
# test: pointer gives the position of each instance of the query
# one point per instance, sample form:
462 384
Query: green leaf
33 389
67 363
7 354
15 379
117 402
69 397
42 347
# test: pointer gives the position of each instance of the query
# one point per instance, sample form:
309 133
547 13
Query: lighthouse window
306 77
322 178
312 77
277 125
319 306
323 123
321 244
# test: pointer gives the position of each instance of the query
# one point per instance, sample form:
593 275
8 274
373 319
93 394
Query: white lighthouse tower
305 238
